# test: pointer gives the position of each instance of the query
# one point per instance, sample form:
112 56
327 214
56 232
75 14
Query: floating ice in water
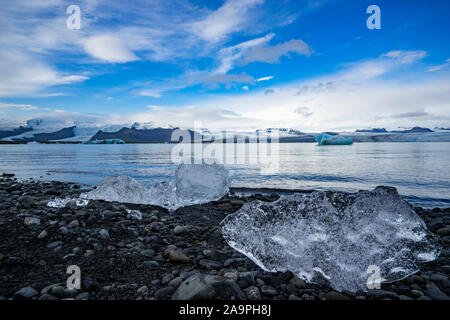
60 203
334 236
326 139
105 141
193 184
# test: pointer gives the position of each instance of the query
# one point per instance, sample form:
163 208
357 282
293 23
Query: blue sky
247 64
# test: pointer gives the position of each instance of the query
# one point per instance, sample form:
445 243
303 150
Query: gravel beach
180 255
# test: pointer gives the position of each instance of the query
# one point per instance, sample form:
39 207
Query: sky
312 65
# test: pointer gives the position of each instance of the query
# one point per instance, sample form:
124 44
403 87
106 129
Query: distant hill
57 135
14 132
374 130
132 135
413 130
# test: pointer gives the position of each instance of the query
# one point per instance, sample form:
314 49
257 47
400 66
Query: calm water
420 171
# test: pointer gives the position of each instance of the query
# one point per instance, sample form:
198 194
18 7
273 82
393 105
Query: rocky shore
164 255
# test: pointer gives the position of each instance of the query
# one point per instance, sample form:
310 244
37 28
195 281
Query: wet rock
58 291
333 295
26 293
443 231
148 253
142 290
90 284
268 291
175 256
8 175
72 205
205 286
74 224
104 234
248 277
434 292
252 293
32 221
54 244
42 235
180 229
175 282
82 296
209 264
297 282
27 202
381 294
164 292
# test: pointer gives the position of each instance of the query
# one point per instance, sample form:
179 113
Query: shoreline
121 257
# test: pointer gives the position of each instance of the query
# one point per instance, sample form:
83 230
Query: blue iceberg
106 141
326 139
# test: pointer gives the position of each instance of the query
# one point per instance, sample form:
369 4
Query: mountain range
41 130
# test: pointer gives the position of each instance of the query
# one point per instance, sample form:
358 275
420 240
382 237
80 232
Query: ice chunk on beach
334 237
326 139
61 203
193 184
120 189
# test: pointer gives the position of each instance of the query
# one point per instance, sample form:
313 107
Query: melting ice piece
193 184
334 236
60 203
326 139
135 214
120 189
196 182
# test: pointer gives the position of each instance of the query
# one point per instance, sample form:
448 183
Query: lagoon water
420 171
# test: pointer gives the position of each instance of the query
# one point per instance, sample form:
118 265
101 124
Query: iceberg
334 237
326 139
193 184
106 141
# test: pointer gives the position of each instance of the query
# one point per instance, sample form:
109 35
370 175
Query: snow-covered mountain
85 128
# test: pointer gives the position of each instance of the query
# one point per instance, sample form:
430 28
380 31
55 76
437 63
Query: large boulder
208 287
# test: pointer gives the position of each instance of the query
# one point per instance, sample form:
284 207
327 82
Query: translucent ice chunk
326 139
60 203
120 189
333 236
193 184
135 214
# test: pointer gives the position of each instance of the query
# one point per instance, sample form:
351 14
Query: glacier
192 184
326 139
333 237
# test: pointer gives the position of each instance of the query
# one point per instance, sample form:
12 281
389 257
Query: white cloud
439 67
406 57
265 78
23 74
349 99
18 106
108 48
148 93
231 17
